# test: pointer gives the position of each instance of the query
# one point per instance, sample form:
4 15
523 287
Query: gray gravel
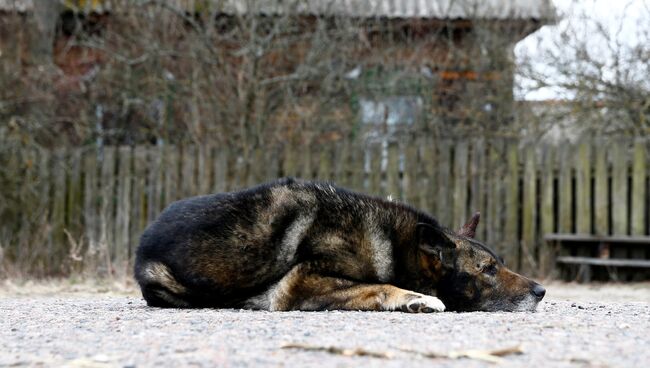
96 330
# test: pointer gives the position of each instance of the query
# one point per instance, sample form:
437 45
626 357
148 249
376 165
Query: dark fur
294 244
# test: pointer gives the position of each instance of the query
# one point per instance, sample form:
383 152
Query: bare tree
599 68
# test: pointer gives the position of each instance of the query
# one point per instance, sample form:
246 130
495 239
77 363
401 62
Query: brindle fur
299 245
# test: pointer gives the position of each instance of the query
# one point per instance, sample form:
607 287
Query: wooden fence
86 208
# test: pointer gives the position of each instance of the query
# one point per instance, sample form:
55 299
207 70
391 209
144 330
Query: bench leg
584 273
613 273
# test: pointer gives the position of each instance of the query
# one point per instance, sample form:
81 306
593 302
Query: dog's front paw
424 304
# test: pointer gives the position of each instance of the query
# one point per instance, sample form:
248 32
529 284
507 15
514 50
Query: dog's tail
159 287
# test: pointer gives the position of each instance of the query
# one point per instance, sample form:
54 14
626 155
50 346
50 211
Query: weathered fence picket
510 247
375 157
123 210
601 193
547 212
620 170
528 246
57 221
107 206
392 172
639 199
445 184
583 188
140 196
429 180
565 190
460 184
477 182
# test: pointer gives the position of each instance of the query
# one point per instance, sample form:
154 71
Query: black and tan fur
298 245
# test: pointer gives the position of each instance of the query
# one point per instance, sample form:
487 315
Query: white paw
424 304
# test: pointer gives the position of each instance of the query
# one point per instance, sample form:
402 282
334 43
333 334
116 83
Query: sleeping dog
301 245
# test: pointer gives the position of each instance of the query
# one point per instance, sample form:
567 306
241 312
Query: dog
311 246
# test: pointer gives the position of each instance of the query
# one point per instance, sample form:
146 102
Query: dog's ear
469 229
432 240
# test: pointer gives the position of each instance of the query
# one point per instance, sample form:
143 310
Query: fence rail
85 208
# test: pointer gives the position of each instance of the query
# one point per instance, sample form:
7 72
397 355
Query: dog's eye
490 269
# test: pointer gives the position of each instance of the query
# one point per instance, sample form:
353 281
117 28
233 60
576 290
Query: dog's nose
539 291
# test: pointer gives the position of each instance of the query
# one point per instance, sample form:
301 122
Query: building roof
425 9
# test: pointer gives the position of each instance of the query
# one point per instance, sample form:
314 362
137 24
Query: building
398 63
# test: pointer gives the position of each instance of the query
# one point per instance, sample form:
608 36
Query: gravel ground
574 326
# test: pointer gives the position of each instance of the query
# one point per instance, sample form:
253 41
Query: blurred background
534 112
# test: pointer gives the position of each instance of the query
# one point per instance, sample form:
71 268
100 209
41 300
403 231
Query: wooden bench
622 257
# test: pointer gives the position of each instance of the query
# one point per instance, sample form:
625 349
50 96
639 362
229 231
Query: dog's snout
539 291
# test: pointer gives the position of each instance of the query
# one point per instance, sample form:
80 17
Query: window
392 111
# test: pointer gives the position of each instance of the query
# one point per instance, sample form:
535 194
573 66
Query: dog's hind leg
159 287
301 289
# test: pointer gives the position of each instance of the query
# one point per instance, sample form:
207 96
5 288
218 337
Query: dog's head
469 276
